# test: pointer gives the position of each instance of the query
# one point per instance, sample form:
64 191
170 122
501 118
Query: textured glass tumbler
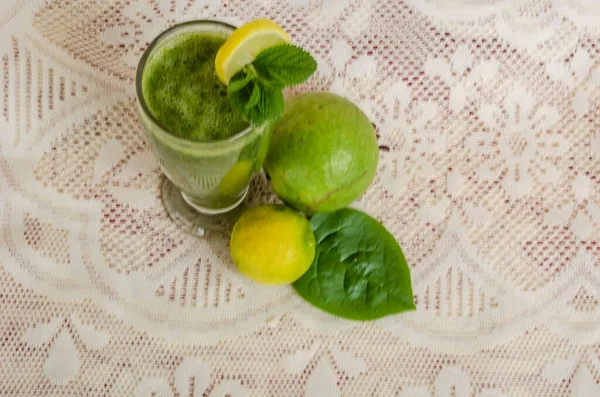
205 180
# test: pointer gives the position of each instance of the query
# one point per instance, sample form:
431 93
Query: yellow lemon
244 44
272 244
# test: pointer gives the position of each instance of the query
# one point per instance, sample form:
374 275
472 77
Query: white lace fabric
488 116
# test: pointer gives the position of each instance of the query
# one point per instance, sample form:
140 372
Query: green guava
323 153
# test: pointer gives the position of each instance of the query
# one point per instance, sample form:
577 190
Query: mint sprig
256 90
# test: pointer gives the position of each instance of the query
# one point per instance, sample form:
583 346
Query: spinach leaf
359 271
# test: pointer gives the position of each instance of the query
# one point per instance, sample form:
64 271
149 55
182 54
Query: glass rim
142 101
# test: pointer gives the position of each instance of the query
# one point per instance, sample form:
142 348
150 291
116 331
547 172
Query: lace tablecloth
488 115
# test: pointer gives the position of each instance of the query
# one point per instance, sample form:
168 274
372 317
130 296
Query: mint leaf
359 271
254 98
271 104
239 99
248 101
285 65
238 81
256 117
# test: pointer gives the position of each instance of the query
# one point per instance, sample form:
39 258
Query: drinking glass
205 180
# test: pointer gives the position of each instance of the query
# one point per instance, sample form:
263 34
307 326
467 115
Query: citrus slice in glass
244 44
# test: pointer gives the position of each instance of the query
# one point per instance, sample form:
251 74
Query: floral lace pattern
488 118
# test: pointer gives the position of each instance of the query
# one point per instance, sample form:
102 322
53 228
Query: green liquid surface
183 92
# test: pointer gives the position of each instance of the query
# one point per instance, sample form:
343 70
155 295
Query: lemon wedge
244 44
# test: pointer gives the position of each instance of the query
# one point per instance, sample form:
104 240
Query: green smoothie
183 92
204 147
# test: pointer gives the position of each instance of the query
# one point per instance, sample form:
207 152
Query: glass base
194 220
